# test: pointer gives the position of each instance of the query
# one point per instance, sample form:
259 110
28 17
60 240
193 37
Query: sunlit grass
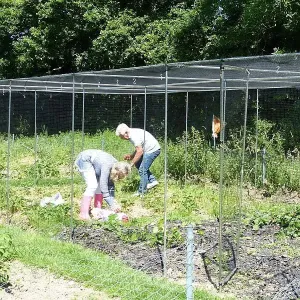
93 269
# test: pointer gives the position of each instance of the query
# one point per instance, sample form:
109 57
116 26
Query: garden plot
268 264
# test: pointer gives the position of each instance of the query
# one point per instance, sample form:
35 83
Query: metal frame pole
145 120
165 174
8 153
221 195
83 119
242 168
190 263
72 158
35 137
256 140
130 111
186 137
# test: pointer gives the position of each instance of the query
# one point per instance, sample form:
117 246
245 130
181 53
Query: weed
7 252
288 220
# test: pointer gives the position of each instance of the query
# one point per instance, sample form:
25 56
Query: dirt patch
137 210
28 283
266 267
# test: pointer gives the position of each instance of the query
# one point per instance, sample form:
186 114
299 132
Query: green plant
287 219
49 220
189 153
130 184
7 252
42 169
98 270
16 204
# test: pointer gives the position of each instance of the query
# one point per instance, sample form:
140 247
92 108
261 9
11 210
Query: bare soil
28 283
266 267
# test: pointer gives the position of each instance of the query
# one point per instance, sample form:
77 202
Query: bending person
99 170
147 149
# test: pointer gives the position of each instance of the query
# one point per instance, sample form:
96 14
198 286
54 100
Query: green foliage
131 184
155 43
76 262
3 155
194 199
43 169
50 219
111 34
16 204
288 220
189 153
135 231
7 253
116 46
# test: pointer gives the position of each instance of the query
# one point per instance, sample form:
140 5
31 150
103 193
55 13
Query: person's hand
127 157
116 207
125 218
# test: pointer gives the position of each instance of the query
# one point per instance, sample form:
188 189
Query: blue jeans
143 166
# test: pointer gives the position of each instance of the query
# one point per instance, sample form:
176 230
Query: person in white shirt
146 151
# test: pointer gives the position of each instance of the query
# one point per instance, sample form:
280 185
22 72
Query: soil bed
268 267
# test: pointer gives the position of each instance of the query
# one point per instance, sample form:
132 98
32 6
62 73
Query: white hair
122 129
120 170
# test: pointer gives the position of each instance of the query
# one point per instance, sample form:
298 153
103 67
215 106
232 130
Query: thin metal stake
166 174
186 136
130 111
221 190
83 119
72 158
256 141
35 138
145 119
8 154
190 263
263 166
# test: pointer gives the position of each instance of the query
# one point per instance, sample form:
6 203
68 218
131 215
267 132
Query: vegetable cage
225 114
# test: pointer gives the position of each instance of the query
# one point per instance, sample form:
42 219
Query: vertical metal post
190 263
263 166
72 158
130 111
256 141
165 173
242 169
186 136
221 195
8 154
35 137
224 106
213 131
83 119
145 120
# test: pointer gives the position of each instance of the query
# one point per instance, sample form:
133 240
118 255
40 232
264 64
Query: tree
116 45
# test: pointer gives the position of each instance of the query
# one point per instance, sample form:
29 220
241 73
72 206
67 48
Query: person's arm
137 155
104 182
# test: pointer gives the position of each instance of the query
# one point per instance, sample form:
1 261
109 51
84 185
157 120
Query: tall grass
195 160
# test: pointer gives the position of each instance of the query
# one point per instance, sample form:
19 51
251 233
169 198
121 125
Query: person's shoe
138 194
84 217
152 184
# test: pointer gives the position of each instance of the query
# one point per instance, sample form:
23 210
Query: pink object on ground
98 200
103 214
